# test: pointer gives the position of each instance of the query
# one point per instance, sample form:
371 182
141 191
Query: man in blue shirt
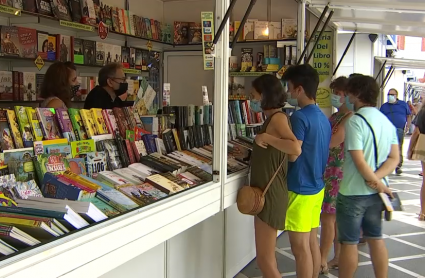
398 112
305 173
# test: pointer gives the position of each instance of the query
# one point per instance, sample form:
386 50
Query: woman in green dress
272 146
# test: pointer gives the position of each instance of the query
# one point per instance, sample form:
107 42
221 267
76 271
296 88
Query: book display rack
143 190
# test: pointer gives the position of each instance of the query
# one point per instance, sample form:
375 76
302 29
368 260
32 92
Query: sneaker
398 171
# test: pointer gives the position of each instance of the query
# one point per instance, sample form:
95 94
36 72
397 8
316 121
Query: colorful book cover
135 193
64 48
99 121
51 163
96 163
28 42
78 166
29 86
10 43
77 123
6 140
42 44
44 8
89 48
25 126
60 9
65 150
100 53
78 56
82 147
48 123
65 124
51 48
104 207
88 120
14 128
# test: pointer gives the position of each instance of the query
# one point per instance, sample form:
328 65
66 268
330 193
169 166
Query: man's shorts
355 213
303 213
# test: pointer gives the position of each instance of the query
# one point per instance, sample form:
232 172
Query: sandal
421 217
333 264
324 269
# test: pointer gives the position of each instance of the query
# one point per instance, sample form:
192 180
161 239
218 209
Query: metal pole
320 35
312 34
345 53
301 28
245 17
223 23
386 76
389 77
380 70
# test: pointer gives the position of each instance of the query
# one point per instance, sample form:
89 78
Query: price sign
10 10
103 30
76 25
39 63
322 62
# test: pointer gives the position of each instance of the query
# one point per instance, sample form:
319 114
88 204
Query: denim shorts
356 213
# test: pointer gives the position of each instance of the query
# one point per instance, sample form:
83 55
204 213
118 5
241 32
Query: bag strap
375 145
273 177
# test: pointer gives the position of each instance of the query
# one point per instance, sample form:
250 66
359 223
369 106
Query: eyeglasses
121 79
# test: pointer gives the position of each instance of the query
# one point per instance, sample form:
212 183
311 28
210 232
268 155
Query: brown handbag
250 199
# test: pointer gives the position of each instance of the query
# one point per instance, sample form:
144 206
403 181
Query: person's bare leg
327 237
333 264
315 253
300 246
379 256
348 260
265 245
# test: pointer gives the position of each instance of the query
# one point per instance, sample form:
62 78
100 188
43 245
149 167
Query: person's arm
391 163
409 118
298 128
339 136
287 142
55 103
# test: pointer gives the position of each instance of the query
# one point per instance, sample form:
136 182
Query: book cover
108 53
112 154
77 166
60 9
88 120
64 48
137 194
103 206
163 184
51 48
125 57
139 56
148 28
28 42
44 7
42 44
48 124
33 121
78 55
195 33
289 28
115 19
6 85
6 139
116 53
52 187
10 43
51 163
99 121
29 86
181 32
261 30
65 124
78 148
29 6
77 124
96 163
14 128
24 125
75 10
100 53
64 150
88 12
89 48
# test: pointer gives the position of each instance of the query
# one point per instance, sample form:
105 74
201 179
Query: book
75 10
77 166
99 121
50 163
42 44
24 125
78 53
89 50
88 120
14 129
44 7
100 53
77 124
96 163
6 85
6 140
65 124
82 147
51 48
28 43
10 43
60 9
29 86
48 123
64 48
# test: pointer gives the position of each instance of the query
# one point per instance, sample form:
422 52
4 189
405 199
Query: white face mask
392 99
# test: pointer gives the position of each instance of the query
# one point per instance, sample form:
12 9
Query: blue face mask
336 101
292 101
391 99
255 106
349 105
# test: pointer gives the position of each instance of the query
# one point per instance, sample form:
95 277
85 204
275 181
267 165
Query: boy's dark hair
305 76
271 90
339 84
107 72
364 88
355 74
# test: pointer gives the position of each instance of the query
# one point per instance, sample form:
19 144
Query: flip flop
333 264
324 269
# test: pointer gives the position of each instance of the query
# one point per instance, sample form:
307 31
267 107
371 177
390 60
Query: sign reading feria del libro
323 62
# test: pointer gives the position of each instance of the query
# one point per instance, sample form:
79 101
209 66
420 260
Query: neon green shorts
303 213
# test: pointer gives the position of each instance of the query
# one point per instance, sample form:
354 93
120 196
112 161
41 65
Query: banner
323 62
207 21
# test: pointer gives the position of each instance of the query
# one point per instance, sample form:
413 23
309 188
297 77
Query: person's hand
261 140
379 186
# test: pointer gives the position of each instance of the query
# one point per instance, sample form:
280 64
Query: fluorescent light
365 8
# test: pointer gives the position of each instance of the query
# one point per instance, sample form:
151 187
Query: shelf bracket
380 70
320 35
389 77
311 35
386 76
345 53
244 19
224 22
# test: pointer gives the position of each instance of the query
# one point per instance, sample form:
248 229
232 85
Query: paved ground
404 236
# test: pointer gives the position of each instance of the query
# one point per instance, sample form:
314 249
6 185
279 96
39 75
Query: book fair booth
147 190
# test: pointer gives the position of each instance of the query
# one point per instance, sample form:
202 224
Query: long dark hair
56 83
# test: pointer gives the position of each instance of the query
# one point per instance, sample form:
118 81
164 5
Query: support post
301 57
386 76
380 70
345 53
389 77
224 21
320 35
301 28
244 19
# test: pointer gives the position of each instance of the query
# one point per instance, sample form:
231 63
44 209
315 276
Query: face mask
336 101
122 89
255 106
391 99
74 90
349 105
292 101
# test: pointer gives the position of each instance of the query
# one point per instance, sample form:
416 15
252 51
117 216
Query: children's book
82 147
77 123
88 120
78 166
65 124
33 121
6 139
96 163
24 125
50 163
14 128
99 121
48 123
